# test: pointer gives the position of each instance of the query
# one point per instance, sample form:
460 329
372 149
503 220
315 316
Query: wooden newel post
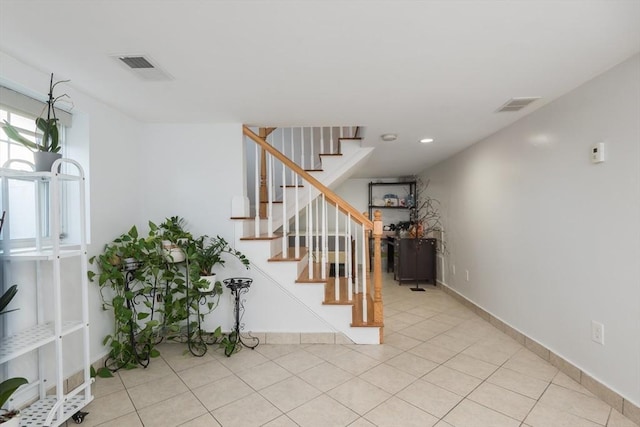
377 271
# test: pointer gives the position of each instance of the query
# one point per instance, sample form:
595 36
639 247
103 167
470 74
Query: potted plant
47 150
9 418
174 238
206 253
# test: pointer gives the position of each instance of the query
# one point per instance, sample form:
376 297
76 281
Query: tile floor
441 366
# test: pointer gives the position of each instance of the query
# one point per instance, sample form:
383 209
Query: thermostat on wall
597 153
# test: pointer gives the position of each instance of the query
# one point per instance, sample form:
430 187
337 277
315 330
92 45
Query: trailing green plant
10 385
48 126
130 270
136 272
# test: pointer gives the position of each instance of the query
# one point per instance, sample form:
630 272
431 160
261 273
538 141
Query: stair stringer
283 274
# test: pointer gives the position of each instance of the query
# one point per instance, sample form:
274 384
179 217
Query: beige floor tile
323 411
359 395
222 392
452 380
408 318
104 386
396 412
272 351
203 374
502 400
290 393
430 398
531 365
379 352
400 341
419 333
433 352
156 370
520 383
616 419
298 361
546 416
325 376
443 424
456 344
252 410
361 422
471 366
354 362
242 360
109 407
469 413
489 352
576 403
281 421
563 380
205 420
263 375
172 412
129 420
412 364
156 391
388 378
394 325
326 351
178 357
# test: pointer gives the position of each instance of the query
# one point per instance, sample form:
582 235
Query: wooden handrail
332 197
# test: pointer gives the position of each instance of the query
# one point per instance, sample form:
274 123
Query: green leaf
154 353
142 316
13 133
7 387
104 373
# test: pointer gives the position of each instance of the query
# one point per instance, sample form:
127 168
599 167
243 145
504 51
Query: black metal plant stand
196 344
238 286
140 352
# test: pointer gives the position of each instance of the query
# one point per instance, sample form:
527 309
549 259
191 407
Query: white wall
550 240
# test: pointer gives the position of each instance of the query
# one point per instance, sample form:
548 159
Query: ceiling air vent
143 67
136 62
517 104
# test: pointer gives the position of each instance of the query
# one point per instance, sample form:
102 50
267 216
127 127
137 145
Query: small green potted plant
206 253
47 150
174 237
9 418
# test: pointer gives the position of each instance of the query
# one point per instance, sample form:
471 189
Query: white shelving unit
49 333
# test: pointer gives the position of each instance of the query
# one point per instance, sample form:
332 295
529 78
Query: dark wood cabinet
415 260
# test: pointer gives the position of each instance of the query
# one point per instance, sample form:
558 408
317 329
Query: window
23 193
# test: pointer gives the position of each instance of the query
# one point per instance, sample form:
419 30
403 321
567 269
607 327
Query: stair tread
291 255
262 237
330 154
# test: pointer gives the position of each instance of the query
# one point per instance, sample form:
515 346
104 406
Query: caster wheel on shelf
78 417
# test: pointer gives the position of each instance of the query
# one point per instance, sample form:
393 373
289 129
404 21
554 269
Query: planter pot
130 264
12 422
172 252
43 160
212 283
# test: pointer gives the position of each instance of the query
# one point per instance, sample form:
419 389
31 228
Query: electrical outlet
467 271
597 332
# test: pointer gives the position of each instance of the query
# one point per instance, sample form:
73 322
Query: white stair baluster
297 218
347 243
331 140
336 255
309 233
364 276
257 192
302 142
285 230
312 159
270 195
323 264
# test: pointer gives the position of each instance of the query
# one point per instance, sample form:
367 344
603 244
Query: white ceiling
415 68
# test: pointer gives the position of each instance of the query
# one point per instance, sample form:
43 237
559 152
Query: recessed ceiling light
388 137
426 140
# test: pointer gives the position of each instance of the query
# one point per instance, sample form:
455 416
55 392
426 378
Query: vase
43 160
211 280
172 252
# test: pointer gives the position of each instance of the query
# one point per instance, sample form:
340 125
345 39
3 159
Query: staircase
304 237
